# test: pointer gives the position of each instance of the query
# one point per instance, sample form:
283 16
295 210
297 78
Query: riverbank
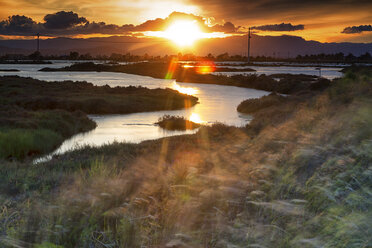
286 84
305 180
36 116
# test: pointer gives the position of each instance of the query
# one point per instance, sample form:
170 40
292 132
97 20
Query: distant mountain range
276 46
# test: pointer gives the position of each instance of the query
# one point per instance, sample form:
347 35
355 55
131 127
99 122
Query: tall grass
19 143
293 184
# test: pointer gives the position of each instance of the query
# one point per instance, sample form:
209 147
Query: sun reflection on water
205 67
184 90
194 117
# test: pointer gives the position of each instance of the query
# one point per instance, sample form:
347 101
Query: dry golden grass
302 182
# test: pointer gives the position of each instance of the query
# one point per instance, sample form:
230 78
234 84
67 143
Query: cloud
63 20
160 24
227 27
19 25
357 29
59 24
280 27
69 23
151 25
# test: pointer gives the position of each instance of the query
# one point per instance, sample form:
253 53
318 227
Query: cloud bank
61 23
69 23
357 29
280 27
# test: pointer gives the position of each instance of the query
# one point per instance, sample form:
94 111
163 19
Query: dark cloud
69 23
100 28
227 27
63 20
19 25
280 27
59 24
357 29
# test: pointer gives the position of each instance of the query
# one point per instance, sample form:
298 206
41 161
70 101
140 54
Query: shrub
253 105
176 123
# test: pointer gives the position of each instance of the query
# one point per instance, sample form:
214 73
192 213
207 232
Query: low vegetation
27 133
304 181
286 84
24 62
352 70
251 106
299 77
176 123
231 69
19 143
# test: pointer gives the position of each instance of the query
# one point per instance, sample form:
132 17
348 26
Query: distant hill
277 46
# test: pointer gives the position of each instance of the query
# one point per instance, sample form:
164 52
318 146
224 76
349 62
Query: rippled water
216 104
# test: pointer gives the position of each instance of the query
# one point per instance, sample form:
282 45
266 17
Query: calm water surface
326 72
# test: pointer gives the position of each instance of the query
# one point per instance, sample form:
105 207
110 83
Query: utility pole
249 45
320 71
38 42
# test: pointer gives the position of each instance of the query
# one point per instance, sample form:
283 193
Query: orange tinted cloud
68 23
324 20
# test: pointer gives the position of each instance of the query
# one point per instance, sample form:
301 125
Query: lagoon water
216 104
326 72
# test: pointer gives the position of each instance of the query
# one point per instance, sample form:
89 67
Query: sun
184 33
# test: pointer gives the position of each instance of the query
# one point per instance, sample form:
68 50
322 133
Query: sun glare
184 90
194 117
184 33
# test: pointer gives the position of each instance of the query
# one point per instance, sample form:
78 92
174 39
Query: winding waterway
217 103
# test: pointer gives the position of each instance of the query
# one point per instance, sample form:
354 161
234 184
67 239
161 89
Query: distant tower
249 45
38 43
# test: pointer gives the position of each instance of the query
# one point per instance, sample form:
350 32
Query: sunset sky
320 20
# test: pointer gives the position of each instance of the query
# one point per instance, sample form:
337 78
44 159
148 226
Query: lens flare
172 68
205 67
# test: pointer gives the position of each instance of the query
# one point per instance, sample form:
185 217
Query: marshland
286 165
